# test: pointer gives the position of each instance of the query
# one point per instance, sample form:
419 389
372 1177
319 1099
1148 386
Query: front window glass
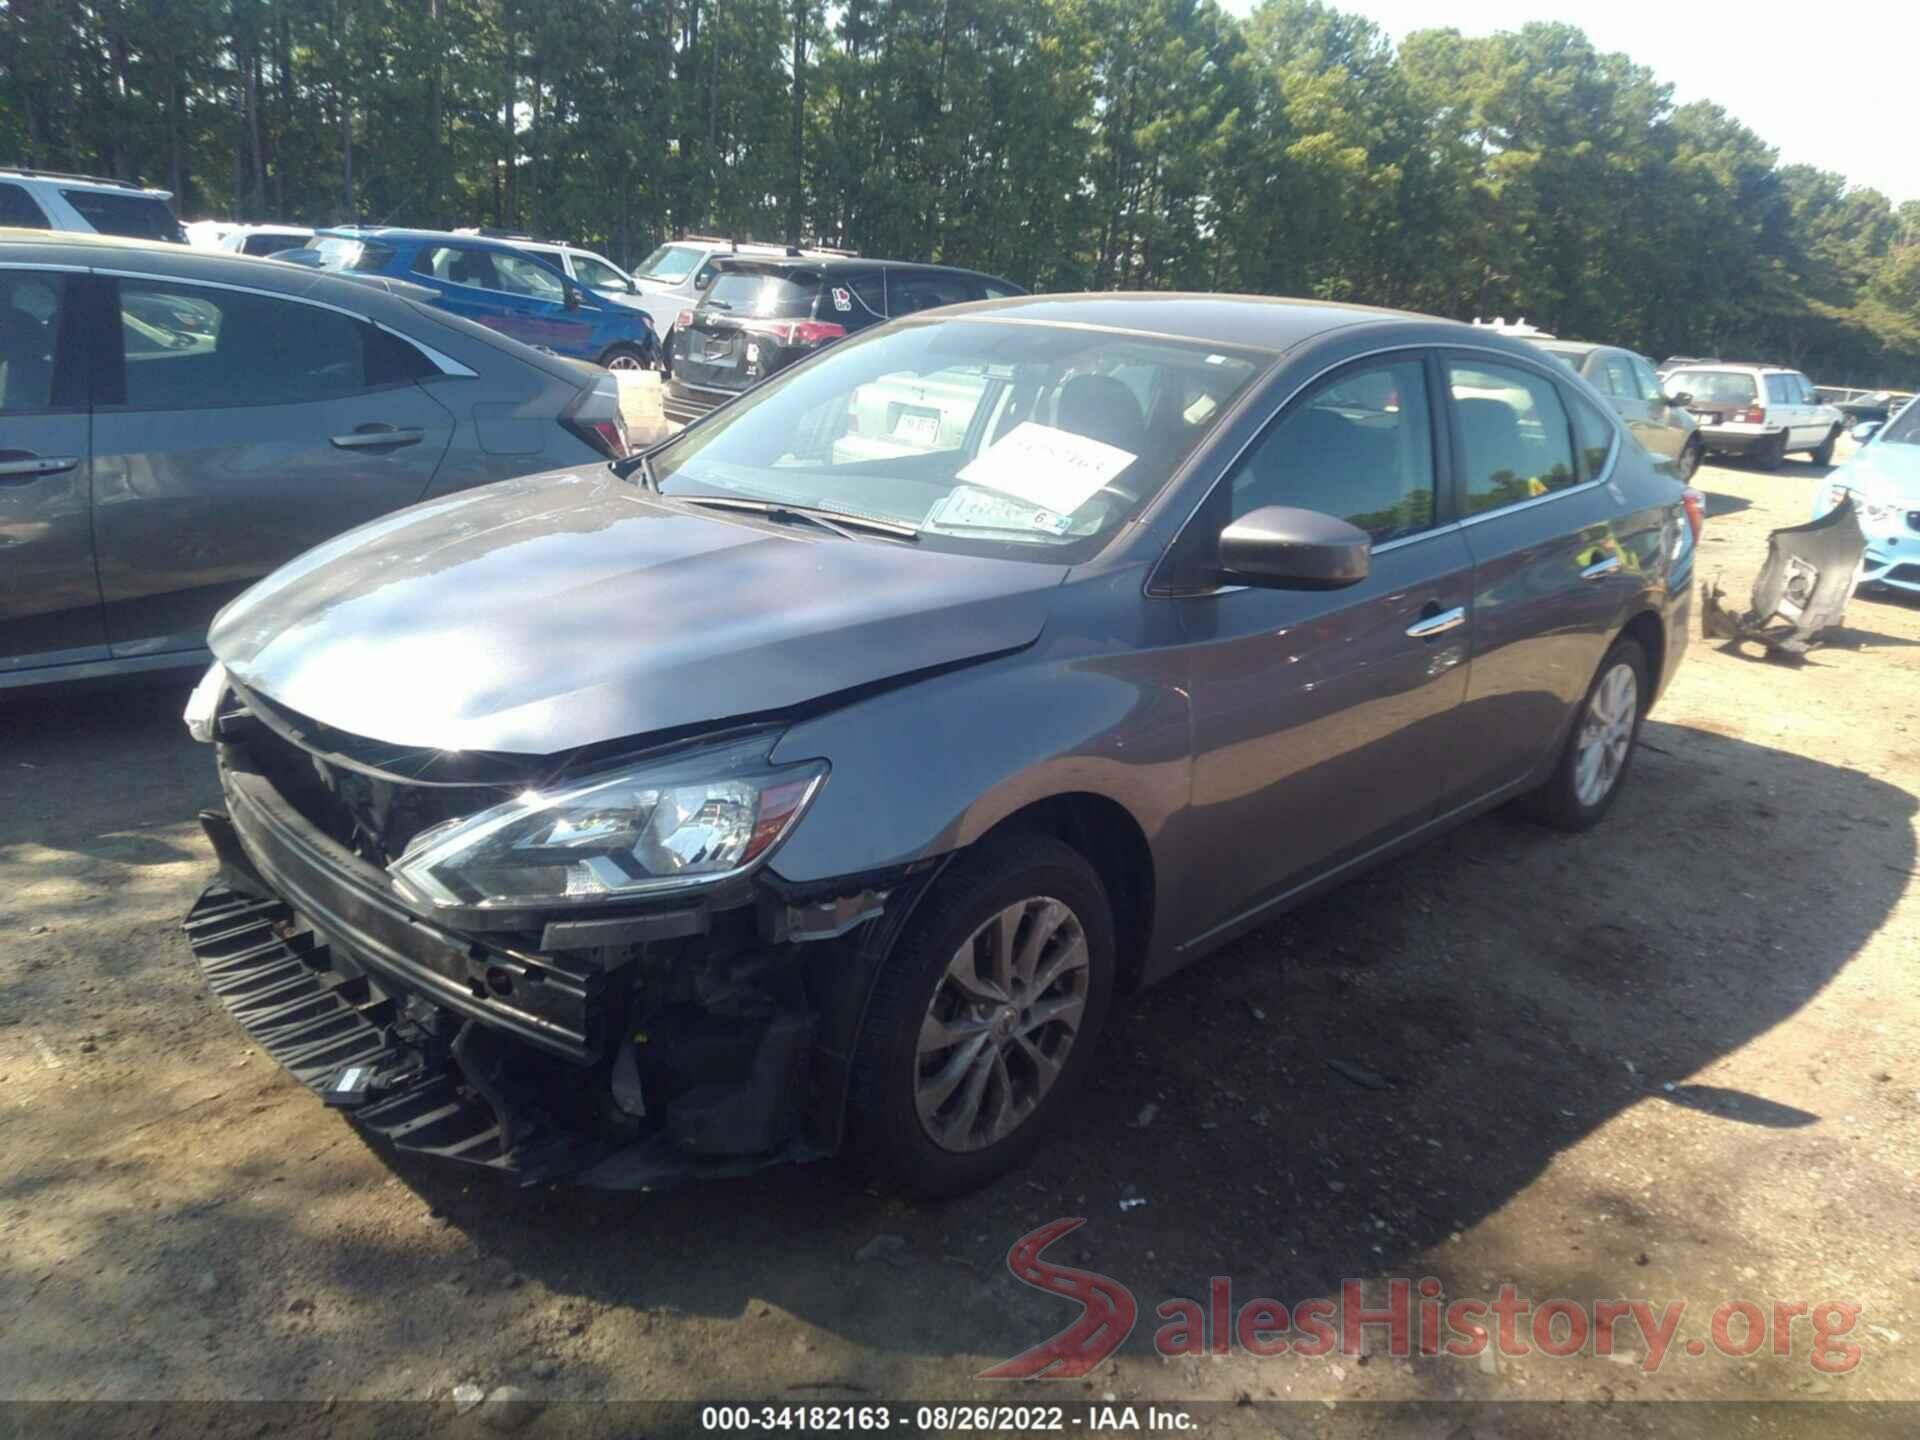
1361 449
517 275
1904 428
1031 441
1648 382
597 274
1513 432
144 217
670 264
1714 387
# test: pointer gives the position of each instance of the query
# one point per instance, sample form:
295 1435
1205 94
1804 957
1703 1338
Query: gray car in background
175 423
1659 421
817 779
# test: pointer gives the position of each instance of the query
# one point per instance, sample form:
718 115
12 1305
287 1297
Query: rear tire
1599 751
1823 452
984 1018
1771 453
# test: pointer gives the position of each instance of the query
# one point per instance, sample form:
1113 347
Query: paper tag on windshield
1053 469
967 508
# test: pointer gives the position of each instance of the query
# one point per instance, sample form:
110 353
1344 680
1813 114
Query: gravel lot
1673 1059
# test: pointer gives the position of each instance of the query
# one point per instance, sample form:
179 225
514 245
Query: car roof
1251 322
104 184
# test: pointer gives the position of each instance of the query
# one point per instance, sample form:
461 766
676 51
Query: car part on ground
812 781
1803 589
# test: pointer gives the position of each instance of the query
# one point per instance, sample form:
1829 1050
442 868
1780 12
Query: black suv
761 314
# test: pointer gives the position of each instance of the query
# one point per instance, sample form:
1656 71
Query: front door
1325 723
49 593
237 430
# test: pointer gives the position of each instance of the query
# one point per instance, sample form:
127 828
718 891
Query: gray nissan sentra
818 780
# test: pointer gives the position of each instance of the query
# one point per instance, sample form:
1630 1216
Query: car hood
560 610
1883 471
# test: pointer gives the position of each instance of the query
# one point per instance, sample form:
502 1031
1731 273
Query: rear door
1530 457
49 593
234 429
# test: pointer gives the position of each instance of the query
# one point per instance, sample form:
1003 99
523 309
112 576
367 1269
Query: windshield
1904 428
670 263
1714 387
1037 442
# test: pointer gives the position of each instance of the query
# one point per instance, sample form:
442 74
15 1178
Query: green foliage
1064 143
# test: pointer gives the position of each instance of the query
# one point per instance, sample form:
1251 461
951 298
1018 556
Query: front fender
931 767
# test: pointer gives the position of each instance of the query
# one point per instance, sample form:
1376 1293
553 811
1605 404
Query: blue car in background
505 289
1883 477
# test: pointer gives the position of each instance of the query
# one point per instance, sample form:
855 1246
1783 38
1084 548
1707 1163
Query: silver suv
1763 412
90 204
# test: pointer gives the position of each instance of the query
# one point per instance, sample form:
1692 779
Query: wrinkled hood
558 610
1888 472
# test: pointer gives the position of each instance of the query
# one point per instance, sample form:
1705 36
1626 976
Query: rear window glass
1716 387
337 252
144 217
670 264
758 292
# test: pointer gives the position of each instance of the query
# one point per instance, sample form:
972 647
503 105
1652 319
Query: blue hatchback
509 290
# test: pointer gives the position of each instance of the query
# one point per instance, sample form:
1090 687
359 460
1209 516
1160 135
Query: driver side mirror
632 289
1278 547
1865 431
1685 397
573 297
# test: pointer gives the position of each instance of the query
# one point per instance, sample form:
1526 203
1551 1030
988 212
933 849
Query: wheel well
1647 629
1112 841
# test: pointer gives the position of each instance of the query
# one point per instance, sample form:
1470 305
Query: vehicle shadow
1500 994
1720 503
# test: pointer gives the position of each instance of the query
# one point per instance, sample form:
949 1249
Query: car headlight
203 705
653 827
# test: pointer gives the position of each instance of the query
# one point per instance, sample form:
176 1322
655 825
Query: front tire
1690 460
625 357
984 1017
1593 767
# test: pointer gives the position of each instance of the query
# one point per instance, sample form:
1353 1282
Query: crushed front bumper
715 1048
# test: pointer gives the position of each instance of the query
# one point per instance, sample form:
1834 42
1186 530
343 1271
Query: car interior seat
1101 408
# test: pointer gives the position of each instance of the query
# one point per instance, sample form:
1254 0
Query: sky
1829 85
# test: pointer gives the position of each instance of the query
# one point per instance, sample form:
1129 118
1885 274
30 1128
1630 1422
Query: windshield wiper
840 522
637 464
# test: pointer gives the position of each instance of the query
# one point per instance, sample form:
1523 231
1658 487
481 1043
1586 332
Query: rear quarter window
143 217
21 210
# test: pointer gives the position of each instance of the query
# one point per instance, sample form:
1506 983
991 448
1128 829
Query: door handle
369 437
19 466
1601 568
1437 622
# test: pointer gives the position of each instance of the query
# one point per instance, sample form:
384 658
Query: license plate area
914 426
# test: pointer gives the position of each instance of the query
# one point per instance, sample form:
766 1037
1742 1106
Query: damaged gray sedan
818 780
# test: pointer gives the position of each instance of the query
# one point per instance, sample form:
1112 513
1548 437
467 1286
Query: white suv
1763 412
50 200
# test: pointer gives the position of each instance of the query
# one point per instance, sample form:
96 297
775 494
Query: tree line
1064 144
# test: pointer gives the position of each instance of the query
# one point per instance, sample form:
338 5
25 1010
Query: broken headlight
657 826
203 705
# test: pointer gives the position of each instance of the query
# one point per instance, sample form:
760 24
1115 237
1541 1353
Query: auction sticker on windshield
1054 469
966 508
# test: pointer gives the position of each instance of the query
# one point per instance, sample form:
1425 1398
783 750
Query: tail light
1696 505
797 332
1752 415
595 417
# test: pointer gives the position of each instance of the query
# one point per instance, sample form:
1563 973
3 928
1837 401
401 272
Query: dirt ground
1672 1059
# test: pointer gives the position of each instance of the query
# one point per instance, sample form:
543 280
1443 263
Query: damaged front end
1802 590
379 927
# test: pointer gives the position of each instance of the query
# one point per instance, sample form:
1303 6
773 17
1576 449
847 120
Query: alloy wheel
1003 1018
1606 734
625 362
